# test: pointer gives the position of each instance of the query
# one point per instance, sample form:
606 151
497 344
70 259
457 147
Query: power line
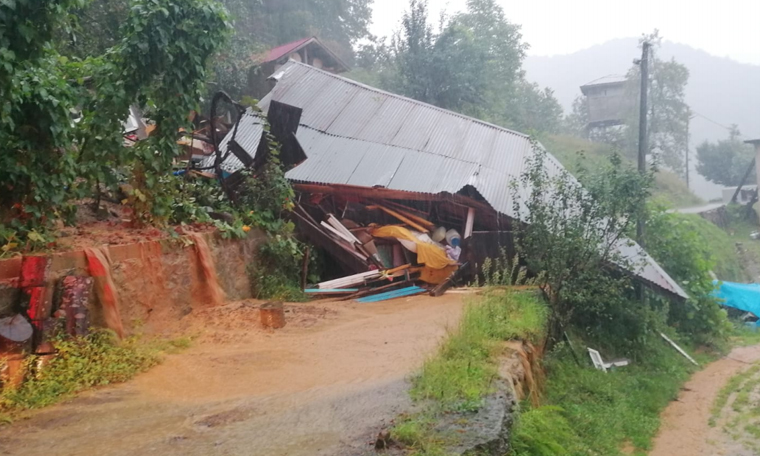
713 121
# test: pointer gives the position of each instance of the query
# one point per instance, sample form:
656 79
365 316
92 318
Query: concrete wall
157 282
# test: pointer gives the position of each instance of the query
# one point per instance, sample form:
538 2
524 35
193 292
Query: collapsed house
377 160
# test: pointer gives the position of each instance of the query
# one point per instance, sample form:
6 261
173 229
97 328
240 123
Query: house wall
607 103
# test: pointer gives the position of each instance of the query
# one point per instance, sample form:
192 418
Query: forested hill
724 91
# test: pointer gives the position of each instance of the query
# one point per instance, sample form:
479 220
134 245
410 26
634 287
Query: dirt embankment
323 385
685 429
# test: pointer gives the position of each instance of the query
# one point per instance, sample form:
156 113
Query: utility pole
644 65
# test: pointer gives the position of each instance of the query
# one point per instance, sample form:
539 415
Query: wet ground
686 429
323 385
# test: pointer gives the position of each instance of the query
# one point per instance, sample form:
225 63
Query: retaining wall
157 282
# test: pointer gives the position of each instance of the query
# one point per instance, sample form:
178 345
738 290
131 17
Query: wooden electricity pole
644 64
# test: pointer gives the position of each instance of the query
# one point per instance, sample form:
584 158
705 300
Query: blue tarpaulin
742 296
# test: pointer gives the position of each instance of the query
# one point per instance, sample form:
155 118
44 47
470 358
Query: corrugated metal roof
358 135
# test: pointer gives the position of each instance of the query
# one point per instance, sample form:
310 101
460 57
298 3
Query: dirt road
685 429
323 385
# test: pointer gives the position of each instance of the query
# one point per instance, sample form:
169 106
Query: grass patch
735 384
743 336
95 360
461 373
598 412
722 248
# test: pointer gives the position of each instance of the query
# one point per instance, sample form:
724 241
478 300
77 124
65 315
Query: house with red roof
310 51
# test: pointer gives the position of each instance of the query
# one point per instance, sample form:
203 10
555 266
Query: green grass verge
461 373
722 247
95 360
596 412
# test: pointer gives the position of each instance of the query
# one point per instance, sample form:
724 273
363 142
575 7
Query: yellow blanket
427 254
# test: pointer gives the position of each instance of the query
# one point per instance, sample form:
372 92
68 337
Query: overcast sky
726 28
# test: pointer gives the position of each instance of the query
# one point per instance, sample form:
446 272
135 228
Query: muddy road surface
685 428
323 385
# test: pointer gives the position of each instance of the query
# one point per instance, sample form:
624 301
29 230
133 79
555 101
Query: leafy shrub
276 271
504 270
680 247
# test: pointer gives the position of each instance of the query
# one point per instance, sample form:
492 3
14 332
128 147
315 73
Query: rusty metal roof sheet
358 135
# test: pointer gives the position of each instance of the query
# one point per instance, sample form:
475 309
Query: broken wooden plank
400 217
349 280
348 258
399 208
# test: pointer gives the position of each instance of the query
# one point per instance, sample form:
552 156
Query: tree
725 162
572 233
668 115
471 65
92 28
159 62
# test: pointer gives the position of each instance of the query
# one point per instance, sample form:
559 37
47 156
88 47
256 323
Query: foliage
682 249
669 115
193 199
471 64
504 270
543 431
92 28
95 360
461 374
726 162
275 272
159 62
573 234
574 152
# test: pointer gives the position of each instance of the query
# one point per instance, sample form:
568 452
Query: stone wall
157 282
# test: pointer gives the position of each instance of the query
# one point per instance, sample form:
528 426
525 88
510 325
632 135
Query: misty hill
725 91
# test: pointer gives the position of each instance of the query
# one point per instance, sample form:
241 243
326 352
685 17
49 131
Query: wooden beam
470 223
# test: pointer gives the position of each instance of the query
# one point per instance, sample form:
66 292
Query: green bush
681 245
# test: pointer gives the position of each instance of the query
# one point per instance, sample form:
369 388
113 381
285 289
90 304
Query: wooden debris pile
391 250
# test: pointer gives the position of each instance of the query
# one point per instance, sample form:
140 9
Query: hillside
569 150
719 89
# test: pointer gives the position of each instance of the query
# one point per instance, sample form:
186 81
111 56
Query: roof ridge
284 70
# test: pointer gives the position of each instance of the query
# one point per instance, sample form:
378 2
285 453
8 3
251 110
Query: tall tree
470 64
725 162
